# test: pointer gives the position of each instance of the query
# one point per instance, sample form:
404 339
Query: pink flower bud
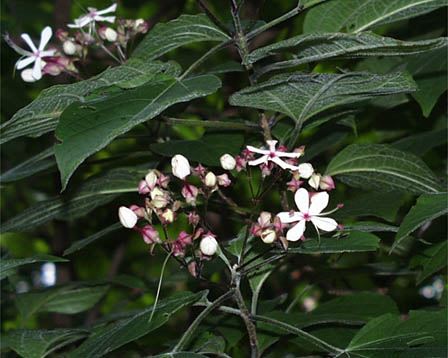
167 216
61 34
327 183
223 180
294 184
264 220
241 163
193 218
143 187
163 180
127 217
199 171
138 210
190 193
193 268
180 166
52 69
150 234
227 162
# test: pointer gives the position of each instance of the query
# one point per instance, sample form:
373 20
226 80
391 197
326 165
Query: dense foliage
218 178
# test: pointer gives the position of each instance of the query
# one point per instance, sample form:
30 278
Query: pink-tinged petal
111 8
296 232
257 150
83 21
259 161
302 200
45 36
28 41
24 62
319 202
325 224
110 19
287 217
48 53
37 69
282 164
288 155
271 144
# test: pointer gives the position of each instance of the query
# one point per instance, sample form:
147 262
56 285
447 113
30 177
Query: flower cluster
92 30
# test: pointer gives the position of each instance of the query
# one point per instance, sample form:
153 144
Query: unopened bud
208 245
27 75
127 217
268 236
265 219
193 218
306 170
167 216
69 48
151 179
210 180
224 180
190 192
180 166
314 181
110 35
327 183
143 187
159 199
227 162
150 234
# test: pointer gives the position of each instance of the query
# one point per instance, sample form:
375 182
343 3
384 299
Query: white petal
257 150
37 69
83 21
296 232
45 36
27 75
110 19
302 200
28 41
282 164
287 217
47 53
24 62
288 155
319 202
111 8
261 160
325 224
271 144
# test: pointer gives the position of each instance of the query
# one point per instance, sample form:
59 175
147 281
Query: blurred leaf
42 115
106 339
206 150
67 300
420 144
235 246
7 266
87 127
355 241
316 47
80 244
360 15
180 355
95 192
370 226
40 343
427 208
423 334
184 30
29 167
430 260
379 166
208 343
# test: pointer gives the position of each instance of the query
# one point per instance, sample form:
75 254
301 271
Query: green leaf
361 15
235 246
42 115
317 47
88 127
184 30
427 208
370 226
7 266
40 343
206 150
67 300
301 96
379 166
430 260
423 334
208 342
106 339
420 144
80 244
31 166
355 241
95 192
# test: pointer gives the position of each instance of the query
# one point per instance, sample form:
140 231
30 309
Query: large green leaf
430 261
206 150
420 144
40 343
92 194
423 334
317 47
379 166
85 128
42 115
184 30
427 208
105 339
8 266
301 96
360 15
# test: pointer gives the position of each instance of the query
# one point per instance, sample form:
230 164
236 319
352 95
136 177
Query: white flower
314 181
180 166
310 209
273 155
69 47
210 180
208 245
227 162
127 217
305 170
35 55
94 15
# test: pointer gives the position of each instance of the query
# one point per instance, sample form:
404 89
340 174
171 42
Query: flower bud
27 75
306 170
163 180
210 180
151 179
150 234
52 69
208 245
110 35
167 216
224 180
141 25
327 183
264 219
193 218
314 181
180 166
69 48
227 162
268 236
138 210
159 198
190 192
240 163
127 217
143 187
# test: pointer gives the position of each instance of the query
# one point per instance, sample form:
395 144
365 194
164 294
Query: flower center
92 14
272 155
307 217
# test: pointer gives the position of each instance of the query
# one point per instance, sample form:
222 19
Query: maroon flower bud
138 210
199 171
193 218
143 187
190 193
150 234
294 184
